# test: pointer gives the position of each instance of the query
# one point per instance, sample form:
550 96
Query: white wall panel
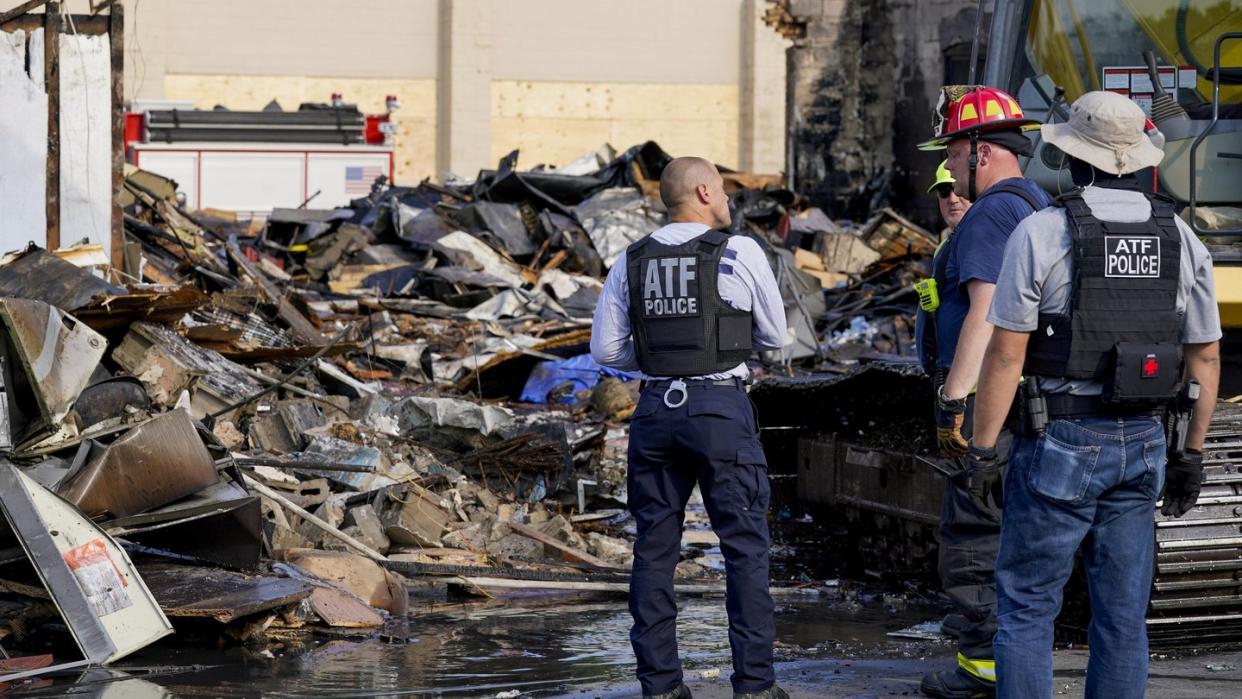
23 143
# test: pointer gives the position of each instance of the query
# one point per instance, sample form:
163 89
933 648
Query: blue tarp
579 372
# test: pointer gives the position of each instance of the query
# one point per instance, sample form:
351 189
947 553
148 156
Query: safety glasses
943 190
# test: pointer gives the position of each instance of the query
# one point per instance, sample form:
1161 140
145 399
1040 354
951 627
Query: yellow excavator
1181 60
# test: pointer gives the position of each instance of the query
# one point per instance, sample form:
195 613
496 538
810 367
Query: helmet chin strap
974 161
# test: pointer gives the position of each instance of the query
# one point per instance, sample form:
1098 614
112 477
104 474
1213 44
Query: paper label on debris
98 577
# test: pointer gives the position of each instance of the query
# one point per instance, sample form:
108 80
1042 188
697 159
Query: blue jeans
1089 483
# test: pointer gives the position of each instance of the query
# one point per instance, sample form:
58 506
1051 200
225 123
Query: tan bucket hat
1107 130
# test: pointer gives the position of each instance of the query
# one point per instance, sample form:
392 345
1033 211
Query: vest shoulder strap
636 247
1164 211
1015 190
1066 199
1081 220
712 239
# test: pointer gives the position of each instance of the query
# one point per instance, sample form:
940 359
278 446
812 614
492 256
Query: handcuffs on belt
676 385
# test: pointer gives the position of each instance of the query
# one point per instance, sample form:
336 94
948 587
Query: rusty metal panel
153 464
39 275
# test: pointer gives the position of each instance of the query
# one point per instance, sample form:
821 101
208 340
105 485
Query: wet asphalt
1209 675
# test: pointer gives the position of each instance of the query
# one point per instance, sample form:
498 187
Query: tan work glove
950 414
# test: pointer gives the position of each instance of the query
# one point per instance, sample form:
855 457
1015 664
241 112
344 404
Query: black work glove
950 414
1183 477
983 470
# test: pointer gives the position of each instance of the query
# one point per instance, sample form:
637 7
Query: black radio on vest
1123 328
681 325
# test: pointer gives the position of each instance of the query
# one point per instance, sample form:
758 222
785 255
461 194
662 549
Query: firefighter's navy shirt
975 251
745 282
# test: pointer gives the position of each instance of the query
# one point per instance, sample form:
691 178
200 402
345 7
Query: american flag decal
358 178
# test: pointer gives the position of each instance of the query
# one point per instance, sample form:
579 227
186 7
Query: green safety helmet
943 176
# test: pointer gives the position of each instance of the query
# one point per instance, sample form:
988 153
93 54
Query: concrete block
610 549
369 526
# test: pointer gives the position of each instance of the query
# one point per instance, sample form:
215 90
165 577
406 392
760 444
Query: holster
1030 419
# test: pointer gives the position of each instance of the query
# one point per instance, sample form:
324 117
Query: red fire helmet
966 108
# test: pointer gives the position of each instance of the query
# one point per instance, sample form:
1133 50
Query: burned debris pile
283 424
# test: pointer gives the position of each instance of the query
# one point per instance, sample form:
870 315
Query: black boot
772 692
952 625
958 684
682 692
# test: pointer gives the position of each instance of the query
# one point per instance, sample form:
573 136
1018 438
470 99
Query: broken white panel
23 141
85 140
57 353
91 580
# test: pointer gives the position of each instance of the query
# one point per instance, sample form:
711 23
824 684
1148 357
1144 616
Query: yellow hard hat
943 176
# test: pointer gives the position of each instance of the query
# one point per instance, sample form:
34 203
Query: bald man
687 305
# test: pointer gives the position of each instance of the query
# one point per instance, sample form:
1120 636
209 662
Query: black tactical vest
1122 323
681 325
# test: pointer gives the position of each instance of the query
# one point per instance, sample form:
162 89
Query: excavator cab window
1086 45
1074 46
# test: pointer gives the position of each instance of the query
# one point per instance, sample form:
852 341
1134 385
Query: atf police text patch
670 287
1132 256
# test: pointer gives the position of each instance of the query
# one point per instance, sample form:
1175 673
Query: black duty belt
1064 405
731 381
675 390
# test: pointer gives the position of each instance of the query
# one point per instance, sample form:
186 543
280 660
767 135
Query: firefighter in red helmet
982 130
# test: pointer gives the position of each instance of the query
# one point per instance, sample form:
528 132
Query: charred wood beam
116 41
20 10
51 73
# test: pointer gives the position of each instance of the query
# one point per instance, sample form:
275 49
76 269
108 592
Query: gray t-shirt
1036 274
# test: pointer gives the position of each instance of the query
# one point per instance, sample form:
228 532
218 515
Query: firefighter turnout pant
969 542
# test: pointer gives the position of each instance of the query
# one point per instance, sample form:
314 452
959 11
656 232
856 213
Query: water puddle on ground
540 647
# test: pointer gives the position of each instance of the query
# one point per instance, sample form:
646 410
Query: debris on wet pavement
290 424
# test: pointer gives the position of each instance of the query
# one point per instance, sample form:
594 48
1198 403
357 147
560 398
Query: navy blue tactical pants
712 440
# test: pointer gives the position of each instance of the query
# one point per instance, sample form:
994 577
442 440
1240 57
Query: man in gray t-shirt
1100 300
1035 276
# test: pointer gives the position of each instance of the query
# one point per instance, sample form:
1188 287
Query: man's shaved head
693 190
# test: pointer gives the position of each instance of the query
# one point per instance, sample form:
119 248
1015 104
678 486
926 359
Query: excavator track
1197 592
858 457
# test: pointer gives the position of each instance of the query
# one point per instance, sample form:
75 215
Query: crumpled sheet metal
153 464
615 218
489 260
515 303
42 276
416 412
57 354
502 223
